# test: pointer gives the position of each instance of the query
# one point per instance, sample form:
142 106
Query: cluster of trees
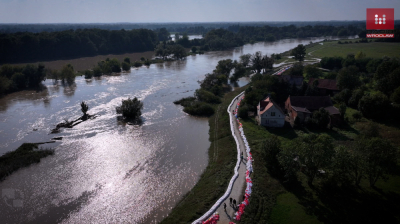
22 47
235 35
213 87
130 108
367 84
368 157
166 49
15 78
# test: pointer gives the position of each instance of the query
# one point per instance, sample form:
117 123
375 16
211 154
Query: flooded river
104 171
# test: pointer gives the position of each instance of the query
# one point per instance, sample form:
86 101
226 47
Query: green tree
321 118
315 153
206 96
256 61
355 98
130 108
311 71
224 67
67 74
194 49
267 63
381 158
299 52
288 158
382 76
126 66
348 78
19 80
88 74
374 106
84 108
97 71
178 51
296 70
270 148
245 59
127 60
115 65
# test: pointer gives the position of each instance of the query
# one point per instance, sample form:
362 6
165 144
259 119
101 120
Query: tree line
25 47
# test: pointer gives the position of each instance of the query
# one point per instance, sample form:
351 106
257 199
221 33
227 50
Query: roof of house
291 79
325 83
266 104
308 104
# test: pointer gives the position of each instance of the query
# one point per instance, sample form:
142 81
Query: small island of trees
131 109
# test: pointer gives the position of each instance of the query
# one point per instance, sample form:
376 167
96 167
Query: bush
185 102
206 96
137 64
374 106
97 71
147 63
130 108
126 66
127 60
88 74
199 109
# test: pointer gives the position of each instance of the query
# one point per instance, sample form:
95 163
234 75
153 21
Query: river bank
215 178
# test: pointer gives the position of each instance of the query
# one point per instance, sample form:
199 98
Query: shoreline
214 180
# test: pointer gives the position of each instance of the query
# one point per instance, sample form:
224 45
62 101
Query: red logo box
380 19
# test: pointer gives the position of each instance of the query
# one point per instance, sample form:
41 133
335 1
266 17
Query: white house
269 114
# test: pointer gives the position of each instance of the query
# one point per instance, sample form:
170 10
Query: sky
142 11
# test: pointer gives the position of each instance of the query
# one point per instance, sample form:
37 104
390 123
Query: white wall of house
272 118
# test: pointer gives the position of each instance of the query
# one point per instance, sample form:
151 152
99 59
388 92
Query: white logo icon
12 197
380 20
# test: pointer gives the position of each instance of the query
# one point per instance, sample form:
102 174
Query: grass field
215 178
371 49
273 201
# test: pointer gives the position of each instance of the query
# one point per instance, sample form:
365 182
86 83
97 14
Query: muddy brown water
105 171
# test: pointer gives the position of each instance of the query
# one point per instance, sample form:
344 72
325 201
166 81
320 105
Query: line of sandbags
234 177
249 170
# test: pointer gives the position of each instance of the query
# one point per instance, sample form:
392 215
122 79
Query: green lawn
371 49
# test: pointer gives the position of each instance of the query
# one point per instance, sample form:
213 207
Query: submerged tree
130 108
84 108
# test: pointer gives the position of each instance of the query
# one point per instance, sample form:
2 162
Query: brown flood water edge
85 63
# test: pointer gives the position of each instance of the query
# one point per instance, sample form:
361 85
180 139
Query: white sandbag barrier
210 213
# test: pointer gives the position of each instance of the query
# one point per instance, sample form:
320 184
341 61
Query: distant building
303 107
292 79
269 114
326 87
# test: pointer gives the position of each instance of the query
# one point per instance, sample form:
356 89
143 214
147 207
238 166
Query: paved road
240 184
